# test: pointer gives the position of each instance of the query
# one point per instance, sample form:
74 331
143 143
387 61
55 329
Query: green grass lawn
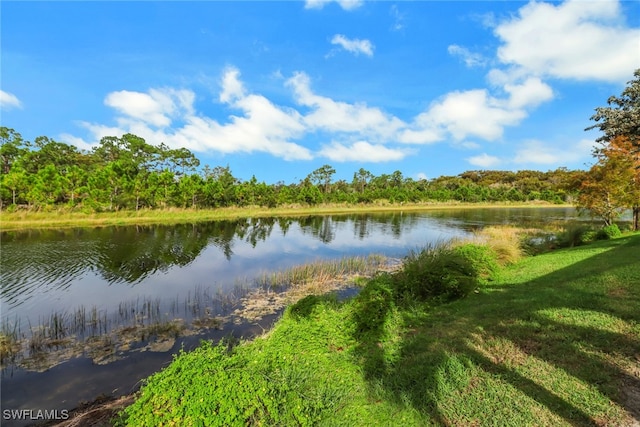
554 340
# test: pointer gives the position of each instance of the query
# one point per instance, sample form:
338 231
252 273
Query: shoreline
254 315
469 350
102 409
23 220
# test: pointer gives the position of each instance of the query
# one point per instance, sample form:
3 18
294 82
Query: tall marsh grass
505 241
323 271
203 307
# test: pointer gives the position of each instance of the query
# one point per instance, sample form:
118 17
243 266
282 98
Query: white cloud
334 116
355 46
9 101
232 87
262 127
468 145
361 151
78 142
471 113
476 113
575 39
487 20
457 114
155 107
529 94
534 153
469 58
422 132
98 132
258 125
484 160
398 18
422 176
540 153
345 4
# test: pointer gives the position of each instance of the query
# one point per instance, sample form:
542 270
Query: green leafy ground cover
549 340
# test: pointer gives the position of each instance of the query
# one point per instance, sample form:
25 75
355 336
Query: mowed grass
553 340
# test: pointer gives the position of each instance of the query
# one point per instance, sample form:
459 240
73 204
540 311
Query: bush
304 307
506 243
438 272
575 235
483 259
373 303
609 232
589 236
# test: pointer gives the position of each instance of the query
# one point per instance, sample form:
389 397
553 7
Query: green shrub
609 232
438 272
483 259
589 236
304 307
575 235
373 303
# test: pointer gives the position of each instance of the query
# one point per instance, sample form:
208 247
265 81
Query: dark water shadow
79 380
432 351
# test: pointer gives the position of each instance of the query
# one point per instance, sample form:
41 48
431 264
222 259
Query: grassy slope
555 340
66 218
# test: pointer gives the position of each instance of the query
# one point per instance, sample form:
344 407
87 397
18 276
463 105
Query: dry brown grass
506 242
316 278
63 217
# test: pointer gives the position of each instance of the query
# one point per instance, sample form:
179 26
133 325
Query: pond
91 276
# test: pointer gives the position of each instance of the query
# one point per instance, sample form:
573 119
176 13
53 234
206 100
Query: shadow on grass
545 319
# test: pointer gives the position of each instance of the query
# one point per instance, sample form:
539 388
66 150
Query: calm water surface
56 271
46 271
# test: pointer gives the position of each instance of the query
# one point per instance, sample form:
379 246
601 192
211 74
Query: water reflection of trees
320 227
53 259
325 228
36 260
255 229
130 254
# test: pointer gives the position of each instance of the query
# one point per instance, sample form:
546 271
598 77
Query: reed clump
324 271
505 241
276 290
9 347
99 334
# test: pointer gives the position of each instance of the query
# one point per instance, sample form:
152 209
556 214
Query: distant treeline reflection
131 253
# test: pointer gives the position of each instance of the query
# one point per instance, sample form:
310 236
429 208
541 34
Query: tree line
128 173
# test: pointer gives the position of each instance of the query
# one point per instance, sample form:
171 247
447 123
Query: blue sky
278 89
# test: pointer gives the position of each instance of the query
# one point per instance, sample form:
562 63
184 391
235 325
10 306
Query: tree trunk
636 218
